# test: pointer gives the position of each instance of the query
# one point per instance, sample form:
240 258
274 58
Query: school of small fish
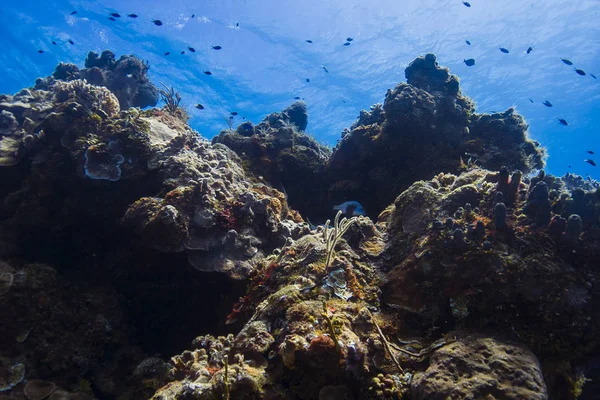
469 62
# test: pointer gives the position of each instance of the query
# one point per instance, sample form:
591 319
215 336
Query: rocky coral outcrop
287 158
480 368
424 127
126 78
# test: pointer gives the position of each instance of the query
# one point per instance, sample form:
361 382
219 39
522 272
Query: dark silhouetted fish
41 51
208 72
349 39
182 51
505 51
347 44
590 152
111 18
568 62
467 4
590 161
54 43
547 103
344 101
325 68
216 47
116 15
531 100
199 106
157 22
237 25
233 113
580 71
470 62
74 12
563 121
308 41
132 15
307 80
71 41
167 53
297 98
529 49
193 15
193 50
593 76
467 42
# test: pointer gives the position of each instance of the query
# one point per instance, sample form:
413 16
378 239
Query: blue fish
350 208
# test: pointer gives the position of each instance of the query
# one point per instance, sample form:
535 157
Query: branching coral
171 97
332 236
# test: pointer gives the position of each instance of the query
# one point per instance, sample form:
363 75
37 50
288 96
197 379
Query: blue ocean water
265 59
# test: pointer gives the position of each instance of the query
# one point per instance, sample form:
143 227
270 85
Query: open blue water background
265 60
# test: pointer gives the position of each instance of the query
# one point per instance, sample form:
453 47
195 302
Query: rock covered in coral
126 78
287 158
425 126
478 368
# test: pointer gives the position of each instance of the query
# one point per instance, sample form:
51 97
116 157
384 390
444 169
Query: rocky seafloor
139 260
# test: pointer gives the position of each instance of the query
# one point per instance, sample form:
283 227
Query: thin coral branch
171 98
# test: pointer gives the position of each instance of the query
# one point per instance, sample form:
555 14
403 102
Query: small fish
193 15
233 113
547 103
208 72
530 100
54 43
590 152
216 47
593 76
468 42
568 62
72 42
347 44
237 25
325 68
307 80
182 51
167 53
467 4
157 22
350 208
349 39
505 51
41 51
74 12
308 41
116 15
132 15
529 49
563 121
344 101
193 50
199 106
297 98
590 161
470 62
111 18
580 71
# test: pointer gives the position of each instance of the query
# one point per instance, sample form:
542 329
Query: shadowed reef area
139 260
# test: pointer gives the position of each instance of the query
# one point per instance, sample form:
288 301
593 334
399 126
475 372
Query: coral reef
124 234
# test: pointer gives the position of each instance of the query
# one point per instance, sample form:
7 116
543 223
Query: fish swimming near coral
325 68
167 53
157 22
568 62
590 152
468 42
529 50
349 39
580 71
71 41
199 106
216 47
132 15
504 50
350 208
111 18
466 3
307 80
116 15
469 62
347 44
308 41
547 103
73 13
531 101
563 121
590 161
193 50
207 73
593 76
